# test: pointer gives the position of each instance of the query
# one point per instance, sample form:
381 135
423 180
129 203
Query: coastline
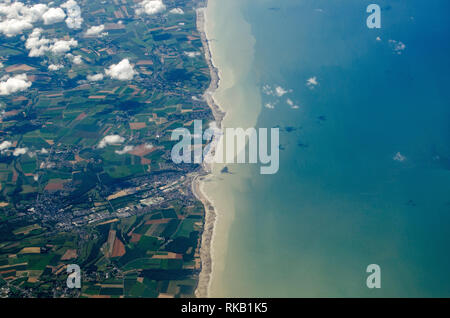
206 244
229 60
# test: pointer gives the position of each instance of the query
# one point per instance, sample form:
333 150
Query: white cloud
123 71
197 98
150 7
53 15
55 67
111 140
291 103
399 157
5 145
177 11
20 151
77 59
63 46
267 90
95 78
312 82
276 91
17 9
34 13
192 54
15 17
38 45
378 39
125 150
280 91
397 46
14 26
74 19
14 84
95 30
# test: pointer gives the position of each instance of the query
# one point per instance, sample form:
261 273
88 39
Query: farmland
85 170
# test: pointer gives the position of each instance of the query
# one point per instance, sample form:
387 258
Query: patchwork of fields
85 170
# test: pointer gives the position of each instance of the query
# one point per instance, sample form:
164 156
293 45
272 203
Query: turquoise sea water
340 201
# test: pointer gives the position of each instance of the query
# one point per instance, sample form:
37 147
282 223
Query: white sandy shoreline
233 84
206 256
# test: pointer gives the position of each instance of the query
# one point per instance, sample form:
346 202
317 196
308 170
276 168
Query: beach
210 210
228 48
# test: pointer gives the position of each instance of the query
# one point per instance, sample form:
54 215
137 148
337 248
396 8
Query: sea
364 175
